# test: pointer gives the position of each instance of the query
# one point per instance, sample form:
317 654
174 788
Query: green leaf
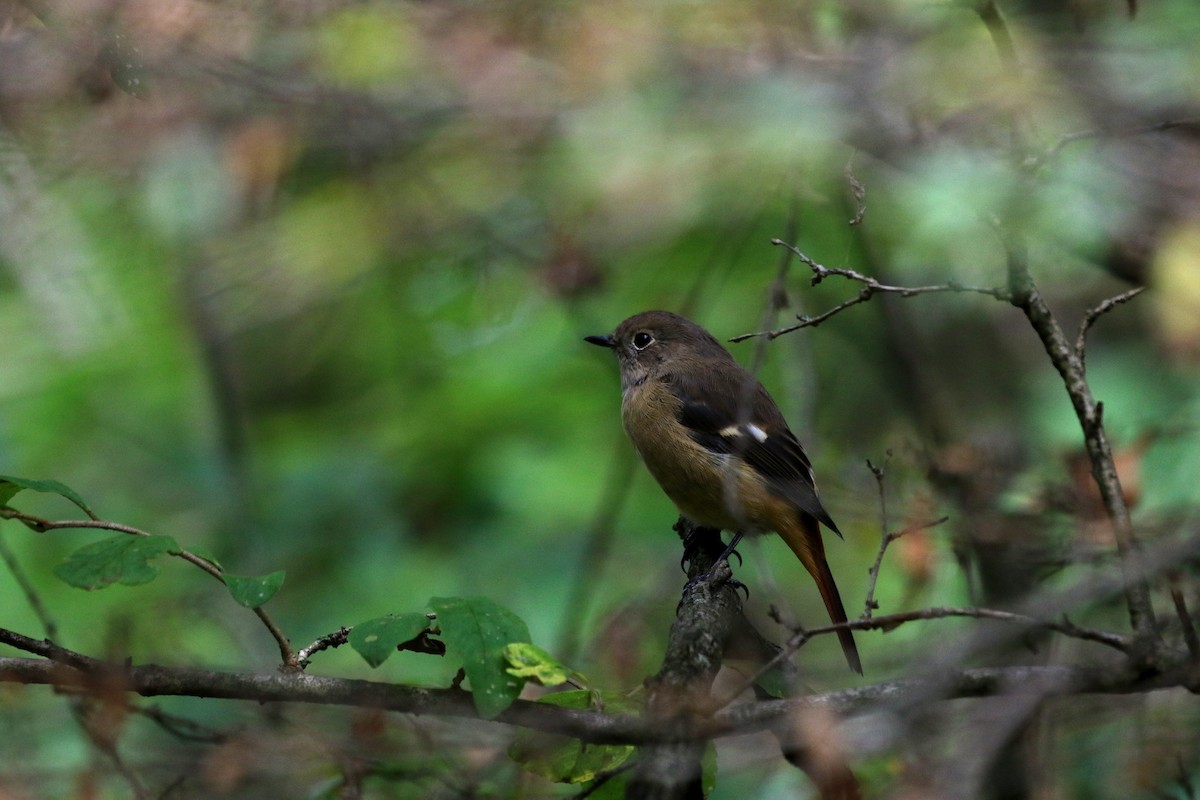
612 789
207 556
120 559
774 683
567 760
530 661
376 639
477 630
254 590
708 769
10 485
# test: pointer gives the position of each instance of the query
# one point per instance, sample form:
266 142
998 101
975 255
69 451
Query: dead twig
870 287
1094 313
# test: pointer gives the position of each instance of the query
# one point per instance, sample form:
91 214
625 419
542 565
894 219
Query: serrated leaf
530 661
477 630
252 591
566 760
376 639
10 485
119 559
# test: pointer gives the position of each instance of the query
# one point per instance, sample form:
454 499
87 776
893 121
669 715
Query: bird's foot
694 541
719 574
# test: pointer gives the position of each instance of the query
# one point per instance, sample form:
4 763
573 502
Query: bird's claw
690 543
711 576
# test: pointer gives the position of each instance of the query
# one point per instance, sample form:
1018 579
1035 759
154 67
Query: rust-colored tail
804 537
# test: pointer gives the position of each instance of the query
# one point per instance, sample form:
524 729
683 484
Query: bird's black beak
603 341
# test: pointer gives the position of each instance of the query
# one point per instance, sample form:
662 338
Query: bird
717 444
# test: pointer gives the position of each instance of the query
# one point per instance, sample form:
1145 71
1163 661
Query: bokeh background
303 284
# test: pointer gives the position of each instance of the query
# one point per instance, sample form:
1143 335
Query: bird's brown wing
755 430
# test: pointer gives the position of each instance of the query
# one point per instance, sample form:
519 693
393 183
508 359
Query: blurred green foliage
314 302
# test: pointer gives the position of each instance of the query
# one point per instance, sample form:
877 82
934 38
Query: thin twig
181 728
1185 617
330 640
1034 162
1025 295
870 287
29 590
886 540
890 622
857 190
1094 313
41 525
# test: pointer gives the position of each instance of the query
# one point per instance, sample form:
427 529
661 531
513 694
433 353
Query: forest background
303 285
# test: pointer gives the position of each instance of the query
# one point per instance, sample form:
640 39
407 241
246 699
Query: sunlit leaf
530 661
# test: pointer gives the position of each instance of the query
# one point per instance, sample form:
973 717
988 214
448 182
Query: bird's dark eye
642 340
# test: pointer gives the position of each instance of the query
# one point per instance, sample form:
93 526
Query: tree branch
1024 295
152 680
870 287
1094 313
704 621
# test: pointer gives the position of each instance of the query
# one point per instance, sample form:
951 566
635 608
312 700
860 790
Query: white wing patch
733 431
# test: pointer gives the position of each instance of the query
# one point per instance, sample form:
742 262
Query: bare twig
870 287
1024 295
1094 313
1064 626
27 588
857 190
885 539
889 622
41 525
1034 162
1186 622
181 728
330 640
885 542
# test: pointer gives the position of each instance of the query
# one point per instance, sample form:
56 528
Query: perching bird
718 445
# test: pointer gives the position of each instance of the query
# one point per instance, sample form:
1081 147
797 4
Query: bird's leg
707 575
696 539
730 550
